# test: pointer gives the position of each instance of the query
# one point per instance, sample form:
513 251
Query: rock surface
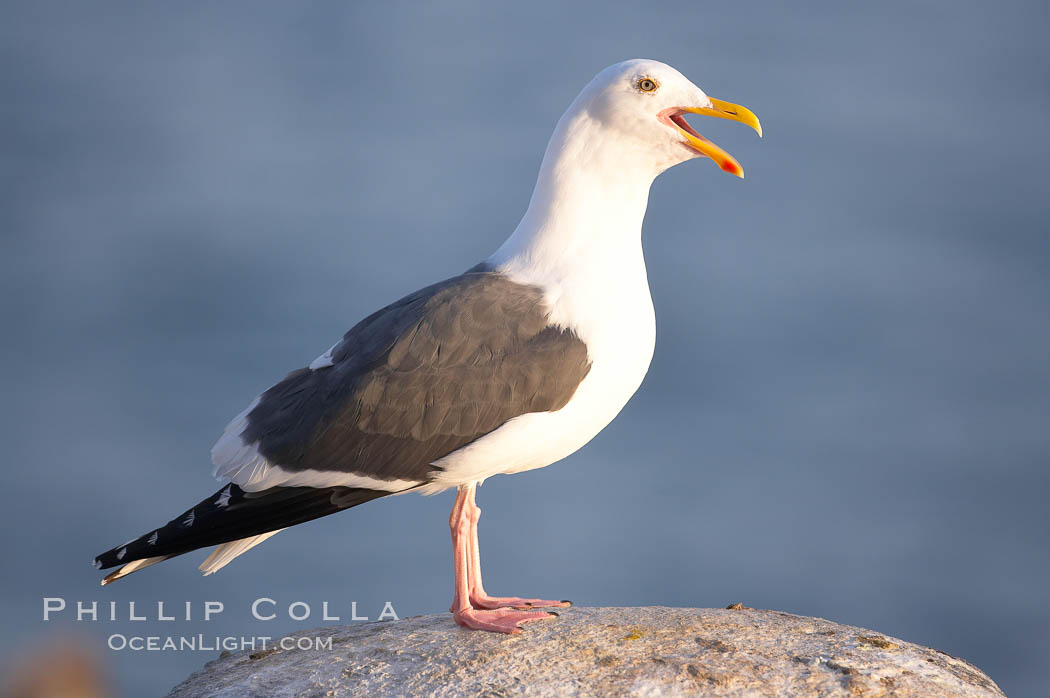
651 651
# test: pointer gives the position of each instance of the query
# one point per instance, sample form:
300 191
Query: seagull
510 366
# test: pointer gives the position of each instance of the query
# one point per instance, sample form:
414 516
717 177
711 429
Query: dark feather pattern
420 379
232 514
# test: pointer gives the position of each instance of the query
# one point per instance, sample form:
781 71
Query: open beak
722 110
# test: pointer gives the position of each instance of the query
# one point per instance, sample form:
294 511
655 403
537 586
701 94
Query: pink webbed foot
483 600
471 607
503 620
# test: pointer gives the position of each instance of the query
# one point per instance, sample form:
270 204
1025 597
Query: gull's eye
647 85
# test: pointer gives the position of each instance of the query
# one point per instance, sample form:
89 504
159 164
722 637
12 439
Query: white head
624 129
634 111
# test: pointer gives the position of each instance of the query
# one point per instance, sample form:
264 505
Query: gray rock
652 651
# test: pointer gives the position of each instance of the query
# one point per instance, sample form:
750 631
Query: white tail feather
224 554
132 567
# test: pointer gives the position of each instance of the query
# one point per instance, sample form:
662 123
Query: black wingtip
231 514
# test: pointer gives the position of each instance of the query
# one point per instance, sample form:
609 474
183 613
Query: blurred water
847 411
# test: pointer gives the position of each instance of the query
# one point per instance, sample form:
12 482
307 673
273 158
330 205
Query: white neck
586 210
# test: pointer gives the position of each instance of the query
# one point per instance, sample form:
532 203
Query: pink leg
478 597
503 620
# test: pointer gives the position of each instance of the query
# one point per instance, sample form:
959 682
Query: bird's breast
619 330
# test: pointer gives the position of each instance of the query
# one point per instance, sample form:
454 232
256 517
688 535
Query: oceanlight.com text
203 643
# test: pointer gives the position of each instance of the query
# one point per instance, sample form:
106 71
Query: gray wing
420 379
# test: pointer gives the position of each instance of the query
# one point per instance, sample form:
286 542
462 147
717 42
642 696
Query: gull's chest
617 322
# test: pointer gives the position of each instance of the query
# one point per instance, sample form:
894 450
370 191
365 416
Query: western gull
510 366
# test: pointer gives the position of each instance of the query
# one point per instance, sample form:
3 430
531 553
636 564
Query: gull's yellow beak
722 110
